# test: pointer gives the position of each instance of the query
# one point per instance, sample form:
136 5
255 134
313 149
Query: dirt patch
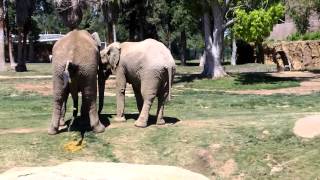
205 162
308 127
25 77
310 83
228 168
44 89
21 131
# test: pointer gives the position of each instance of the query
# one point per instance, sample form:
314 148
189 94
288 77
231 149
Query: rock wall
295 55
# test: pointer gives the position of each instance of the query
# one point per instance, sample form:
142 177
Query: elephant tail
68 71
171 71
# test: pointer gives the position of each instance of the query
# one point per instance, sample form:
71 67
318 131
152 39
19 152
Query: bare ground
45 88
310 83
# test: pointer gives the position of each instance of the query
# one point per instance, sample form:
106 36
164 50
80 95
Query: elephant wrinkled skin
147 65
75 62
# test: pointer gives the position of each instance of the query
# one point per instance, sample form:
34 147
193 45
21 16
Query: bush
305 37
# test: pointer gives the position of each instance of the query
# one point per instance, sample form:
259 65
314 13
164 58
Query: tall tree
254 26
216 21
184 23
24 10
2 41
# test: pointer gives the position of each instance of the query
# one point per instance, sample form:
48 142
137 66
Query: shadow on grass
257 78
192 64
186 78
153 119
82 124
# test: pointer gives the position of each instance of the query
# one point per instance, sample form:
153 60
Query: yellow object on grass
73 146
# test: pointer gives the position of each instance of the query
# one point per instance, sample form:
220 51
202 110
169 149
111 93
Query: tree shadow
186 78
257 78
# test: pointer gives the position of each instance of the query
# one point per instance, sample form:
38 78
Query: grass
225 126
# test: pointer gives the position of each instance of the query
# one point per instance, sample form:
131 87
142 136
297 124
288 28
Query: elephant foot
140 123
62 122
98 128
119 119
161 121
53 131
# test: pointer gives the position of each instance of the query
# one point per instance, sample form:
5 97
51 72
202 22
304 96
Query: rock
308 127
101 170
295 55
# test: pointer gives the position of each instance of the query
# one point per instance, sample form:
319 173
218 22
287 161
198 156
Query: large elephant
75 61
147 65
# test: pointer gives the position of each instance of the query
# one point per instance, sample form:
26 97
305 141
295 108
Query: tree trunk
10 47
208 58
109 33
31 50
183 47
2 54
234 52
114 30
132 27
217 50
259 52
25 47
218 40
21 67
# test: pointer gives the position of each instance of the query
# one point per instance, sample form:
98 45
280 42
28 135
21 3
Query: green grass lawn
213 128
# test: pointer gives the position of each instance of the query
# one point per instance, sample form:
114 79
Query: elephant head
110 56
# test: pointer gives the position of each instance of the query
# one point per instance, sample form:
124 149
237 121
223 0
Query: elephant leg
121 91
75 97
161 101
138 95
163 95
149 91
89 107
64 109
59 94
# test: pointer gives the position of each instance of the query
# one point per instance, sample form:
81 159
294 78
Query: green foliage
300 11
254 26
306 36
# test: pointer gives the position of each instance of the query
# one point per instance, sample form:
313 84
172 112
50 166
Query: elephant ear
104 55
114 54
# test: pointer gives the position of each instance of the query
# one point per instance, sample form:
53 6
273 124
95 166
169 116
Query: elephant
75 61
150 68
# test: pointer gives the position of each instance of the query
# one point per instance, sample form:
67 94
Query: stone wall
295 55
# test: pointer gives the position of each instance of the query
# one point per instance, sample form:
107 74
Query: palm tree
70 12
24 10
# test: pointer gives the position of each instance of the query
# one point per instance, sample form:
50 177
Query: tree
24 10
216 21
254 26
299 11
2 54
184 23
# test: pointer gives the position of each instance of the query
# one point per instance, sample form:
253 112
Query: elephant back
77 46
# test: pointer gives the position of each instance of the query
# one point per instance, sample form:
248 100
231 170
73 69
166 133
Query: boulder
102 170
295 55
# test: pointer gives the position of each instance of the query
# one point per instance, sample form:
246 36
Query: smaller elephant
147 65
75 61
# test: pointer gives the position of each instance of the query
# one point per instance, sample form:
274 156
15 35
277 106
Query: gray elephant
75 61
147 65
